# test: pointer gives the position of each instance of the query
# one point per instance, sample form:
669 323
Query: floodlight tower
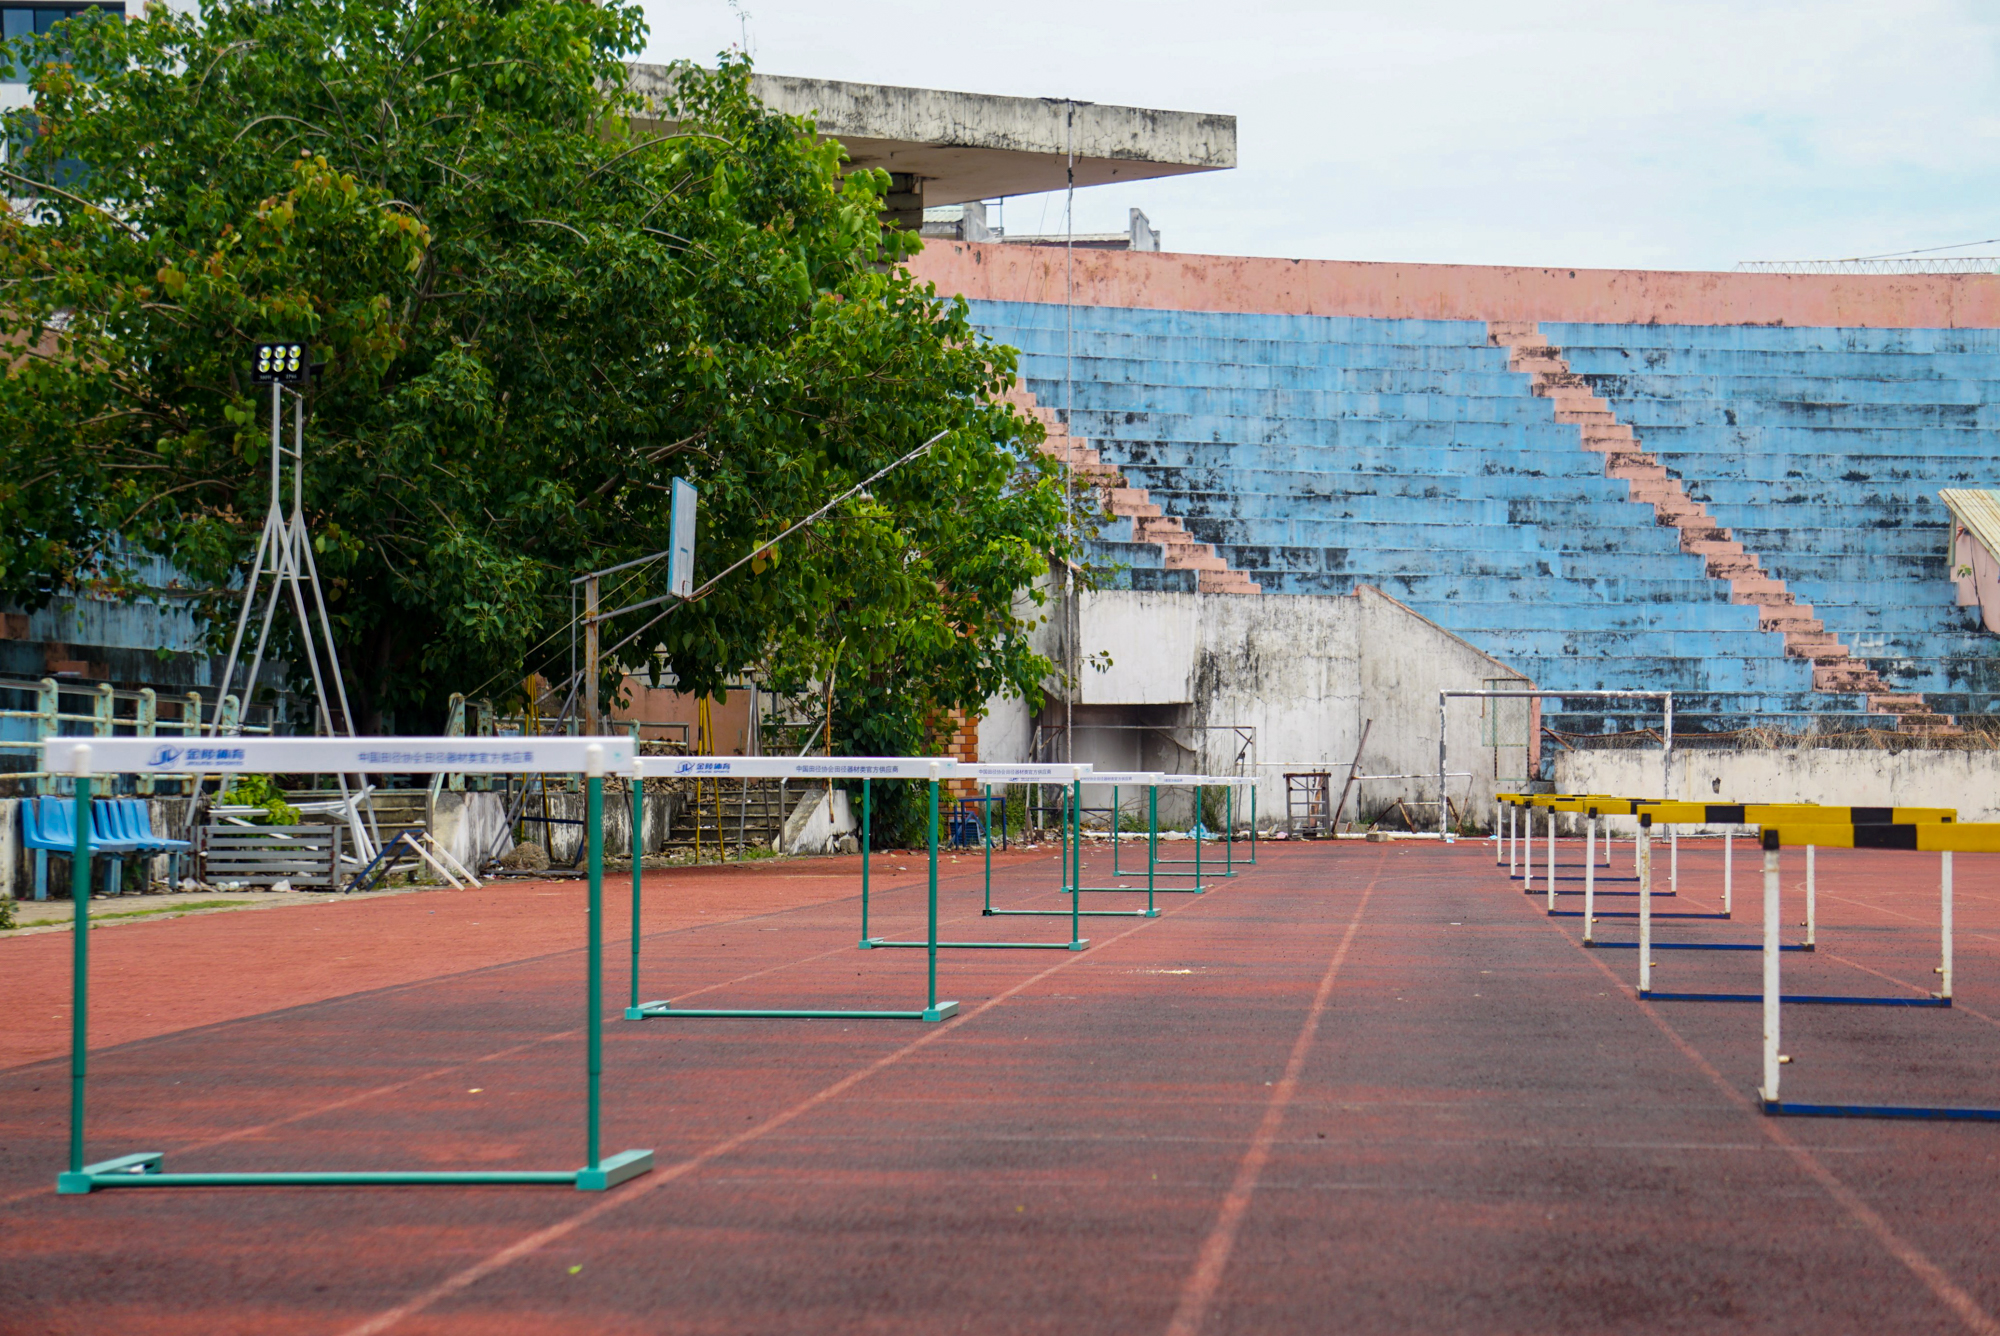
284 550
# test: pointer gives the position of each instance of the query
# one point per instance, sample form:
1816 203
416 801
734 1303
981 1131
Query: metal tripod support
284 551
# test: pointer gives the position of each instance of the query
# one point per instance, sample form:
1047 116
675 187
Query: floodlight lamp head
281 364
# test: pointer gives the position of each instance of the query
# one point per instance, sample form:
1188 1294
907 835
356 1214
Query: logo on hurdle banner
702 768
215 756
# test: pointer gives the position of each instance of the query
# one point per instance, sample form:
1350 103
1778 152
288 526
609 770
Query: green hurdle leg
1152 843
79 931
865 823
638 815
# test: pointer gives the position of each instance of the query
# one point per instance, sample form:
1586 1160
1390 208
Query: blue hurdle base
1694 946
1631 914
1907 1112
1803 999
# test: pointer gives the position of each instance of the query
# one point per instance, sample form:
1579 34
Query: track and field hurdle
1797 820
1228 784
239 755
1070 777
1071 834
1756 814
1941 838
1153 784
830 768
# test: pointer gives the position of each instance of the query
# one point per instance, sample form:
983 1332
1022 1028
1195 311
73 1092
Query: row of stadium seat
1317 453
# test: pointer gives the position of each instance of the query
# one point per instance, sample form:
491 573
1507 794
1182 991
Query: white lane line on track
1198 1291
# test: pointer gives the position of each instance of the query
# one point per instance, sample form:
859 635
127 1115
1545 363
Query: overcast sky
1684 135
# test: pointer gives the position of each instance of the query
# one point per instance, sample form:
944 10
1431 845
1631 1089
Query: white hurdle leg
1552 859
1589 874
1644 845
1773 914
1673 860
1944 922
1812 901
1728 872
1513 841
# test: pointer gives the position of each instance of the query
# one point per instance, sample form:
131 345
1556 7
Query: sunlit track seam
1941 1286
1198 1292
661 1177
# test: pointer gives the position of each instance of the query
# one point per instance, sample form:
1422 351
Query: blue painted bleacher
1823 450
1321 452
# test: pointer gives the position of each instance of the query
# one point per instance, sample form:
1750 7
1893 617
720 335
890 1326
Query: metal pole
1253 819
1812 900
1152 842
1645 848
931 940
638 817
590 675
1673 860
593 770
1114 830
1513 842
1944 923
1772 911
1667 757
1552 859
1076 882
1441 760
1229 830
1728 872
866 812
1197 837
79 1002
1589 874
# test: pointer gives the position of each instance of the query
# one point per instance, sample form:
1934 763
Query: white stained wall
1843 777
1304 671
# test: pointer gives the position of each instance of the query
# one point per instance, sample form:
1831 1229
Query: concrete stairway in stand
1130 507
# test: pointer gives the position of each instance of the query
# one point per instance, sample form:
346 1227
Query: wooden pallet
262 855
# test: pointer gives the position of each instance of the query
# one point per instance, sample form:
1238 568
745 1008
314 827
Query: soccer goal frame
239 755
1444 730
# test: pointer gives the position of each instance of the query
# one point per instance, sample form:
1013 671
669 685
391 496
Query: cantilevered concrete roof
970 146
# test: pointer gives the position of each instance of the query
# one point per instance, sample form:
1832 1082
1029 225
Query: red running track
1366 1088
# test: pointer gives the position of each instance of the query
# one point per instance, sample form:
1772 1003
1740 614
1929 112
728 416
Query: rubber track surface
1363 1088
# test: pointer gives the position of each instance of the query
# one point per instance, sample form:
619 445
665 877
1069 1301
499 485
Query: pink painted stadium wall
1170 281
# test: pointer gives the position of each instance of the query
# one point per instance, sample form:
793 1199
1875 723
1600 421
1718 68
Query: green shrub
259 791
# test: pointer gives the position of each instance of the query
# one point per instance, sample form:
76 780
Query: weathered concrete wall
1306 672
1183 282
1969 781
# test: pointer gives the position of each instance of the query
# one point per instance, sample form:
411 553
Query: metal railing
111 712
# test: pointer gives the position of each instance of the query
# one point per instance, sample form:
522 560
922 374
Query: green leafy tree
532 317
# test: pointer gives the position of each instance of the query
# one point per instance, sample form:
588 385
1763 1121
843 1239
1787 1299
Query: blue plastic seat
48 826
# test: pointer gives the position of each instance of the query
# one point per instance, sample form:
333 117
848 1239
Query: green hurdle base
1071 915
666 1011
869 943
143 1171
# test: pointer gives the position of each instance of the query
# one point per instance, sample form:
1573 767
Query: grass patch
97 916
